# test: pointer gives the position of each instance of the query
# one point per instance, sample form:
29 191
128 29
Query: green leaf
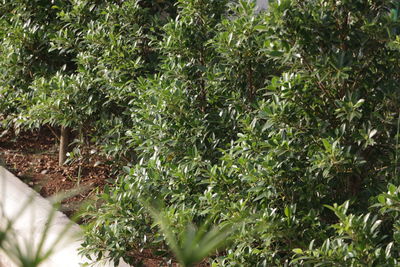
298 251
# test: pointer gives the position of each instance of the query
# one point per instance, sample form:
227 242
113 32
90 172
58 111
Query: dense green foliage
284 123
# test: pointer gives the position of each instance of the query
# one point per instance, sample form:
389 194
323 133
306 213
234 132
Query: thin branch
53 132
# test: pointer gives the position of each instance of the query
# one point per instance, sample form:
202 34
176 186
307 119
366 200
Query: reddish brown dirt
32 156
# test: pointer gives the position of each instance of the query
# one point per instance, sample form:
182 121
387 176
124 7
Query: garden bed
32 157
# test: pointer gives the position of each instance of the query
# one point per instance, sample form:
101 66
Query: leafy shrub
26 28
229 115
268 117
370 239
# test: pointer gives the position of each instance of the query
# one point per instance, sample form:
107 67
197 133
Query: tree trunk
64 141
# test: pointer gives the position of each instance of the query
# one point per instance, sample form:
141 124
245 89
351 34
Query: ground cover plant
279 127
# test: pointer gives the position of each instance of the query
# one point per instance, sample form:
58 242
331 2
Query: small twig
53 132
250 82
320 85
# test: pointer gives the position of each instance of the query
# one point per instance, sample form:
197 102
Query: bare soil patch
33 157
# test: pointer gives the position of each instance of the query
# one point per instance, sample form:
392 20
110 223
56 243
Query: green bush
266 118
370 239
228 116
26 28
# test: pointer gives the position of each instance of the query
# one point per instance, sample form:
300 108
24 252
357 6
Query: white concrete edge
30 224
